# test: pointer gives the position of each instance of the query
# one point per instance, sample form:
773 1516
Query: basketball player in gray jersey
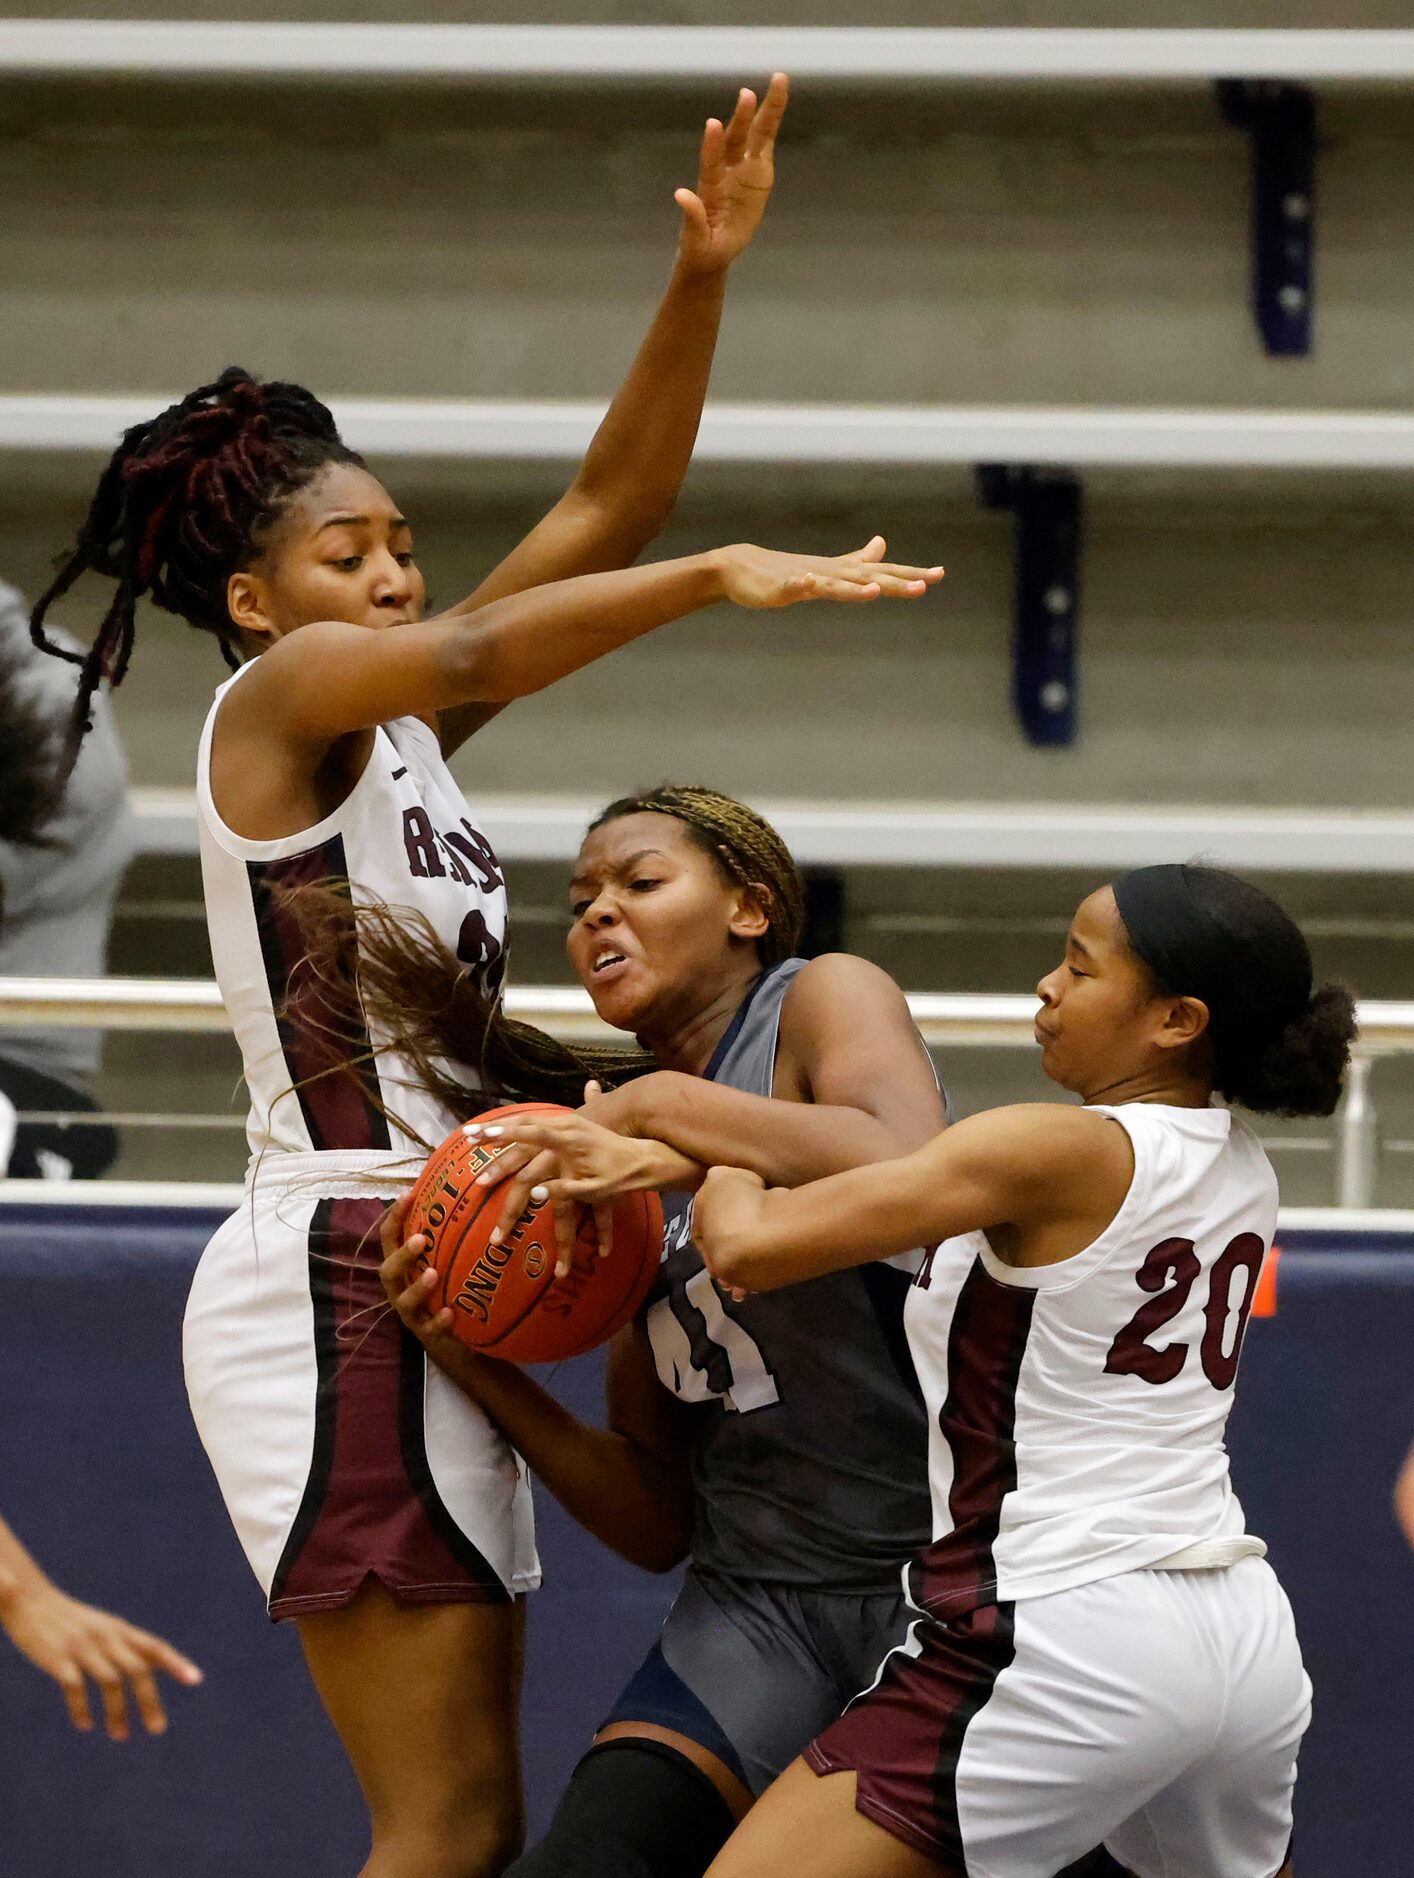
780 1441
815 1494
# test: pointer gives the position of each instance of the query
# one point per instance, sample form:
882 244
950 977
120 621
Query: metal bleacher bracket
1280 120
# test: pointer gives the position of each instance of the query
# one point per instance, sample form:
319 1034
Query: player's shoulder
835 979
1043 1140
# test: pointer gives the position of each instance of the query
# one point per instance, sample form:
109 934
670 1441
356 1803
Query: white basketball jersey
403 836
1077 1411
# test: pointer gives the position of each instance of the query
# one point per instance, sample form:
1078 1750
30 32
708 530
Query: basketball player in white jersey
378 1508
1100 1650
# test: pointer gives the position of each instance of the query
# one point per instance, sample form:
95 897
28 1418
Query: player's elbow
477 668
620 518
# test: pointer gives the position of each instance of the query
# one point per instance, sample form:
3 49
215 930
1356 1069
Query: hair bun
1302 1071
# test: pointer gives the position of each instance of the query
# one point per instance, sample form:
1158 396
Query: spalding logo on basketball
505 1299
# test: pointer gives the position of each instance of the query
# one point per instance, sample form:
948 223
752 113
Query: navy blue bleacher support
101 1473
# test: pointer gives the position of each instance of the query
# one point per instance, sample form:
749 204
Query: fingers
75 1690
160 1654
110 1693
149 1702
761 139
509 1160
711 161
390 1227
524 1190
739 129
401 1267
592 1088
566 1218
836 586
694 214
604 1227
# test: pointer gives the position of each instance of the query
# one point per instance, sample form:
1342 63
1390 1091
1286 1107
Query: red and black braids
182 505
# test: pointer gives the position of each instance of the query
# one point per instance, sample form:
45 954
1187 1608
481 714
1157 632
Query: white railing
1107 836
956 1020
636 55
937 436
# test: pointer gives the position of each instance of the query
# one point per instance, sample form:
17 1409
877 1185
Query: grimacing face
657 924
1102 1021
342 550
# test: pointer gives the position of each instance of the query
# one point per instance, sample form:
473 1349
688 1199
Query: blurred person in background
58 879
68 1640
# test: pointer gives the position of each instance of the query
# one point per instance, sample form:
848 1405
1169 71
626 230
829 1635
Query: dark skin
851 1080
1042 1181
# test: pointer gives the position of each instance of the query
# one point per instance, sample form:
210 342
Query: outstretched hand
735 174
766 577
75 1643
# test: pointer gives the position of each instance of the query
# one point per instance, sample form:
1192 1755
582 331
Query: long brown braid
452 1031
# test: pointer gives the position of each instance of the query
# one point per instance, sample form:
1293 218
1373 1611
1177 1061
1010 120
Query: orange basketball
505 1299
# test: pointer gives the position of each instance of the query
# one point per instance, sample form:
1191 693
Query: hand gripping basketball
503 1295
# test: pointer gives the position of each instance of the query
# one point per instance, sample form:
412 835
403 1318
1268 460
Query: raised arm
630 478
628 1483
1053 1176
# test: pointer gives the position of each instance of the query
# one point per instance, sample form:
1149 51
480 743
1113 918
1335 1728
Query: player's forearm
20 1575
628 1499
521 644
635 466
786 1143
761 1241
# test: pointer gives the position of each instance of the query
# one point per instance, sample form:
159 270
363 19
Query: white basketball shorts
1156 1712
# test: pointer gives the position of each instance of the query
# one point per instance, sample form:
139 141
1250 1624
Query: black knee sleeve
633 1809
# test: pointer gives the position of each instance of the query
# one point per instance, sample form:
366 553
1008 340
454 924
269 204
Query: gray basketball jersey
809 1456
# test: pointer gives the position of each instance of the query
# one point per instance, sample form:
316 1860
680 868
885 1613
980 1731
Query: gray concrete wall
1238 644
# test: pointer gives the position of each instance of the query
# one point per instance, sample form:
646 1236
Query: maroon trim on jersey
329 1062
986 1344
370 1507
904 1739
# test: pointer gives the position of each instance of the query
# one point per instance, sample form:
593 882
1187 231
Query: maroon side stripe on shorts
329 1060
370 1507
990 1326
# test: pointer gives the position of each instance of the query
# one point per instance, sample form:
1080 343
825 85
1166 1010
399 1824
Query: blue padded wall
101 1473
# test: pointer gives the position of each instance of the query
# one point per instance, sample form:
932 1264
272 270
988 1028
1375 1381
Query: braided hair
742 843
452 1031
184 503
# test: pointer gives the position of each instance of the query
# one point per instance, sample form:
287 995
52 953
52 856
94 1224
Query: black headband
1193 952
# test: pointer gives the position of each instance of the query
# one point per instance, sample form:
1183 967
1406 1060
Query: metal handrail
964 1020
374 52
